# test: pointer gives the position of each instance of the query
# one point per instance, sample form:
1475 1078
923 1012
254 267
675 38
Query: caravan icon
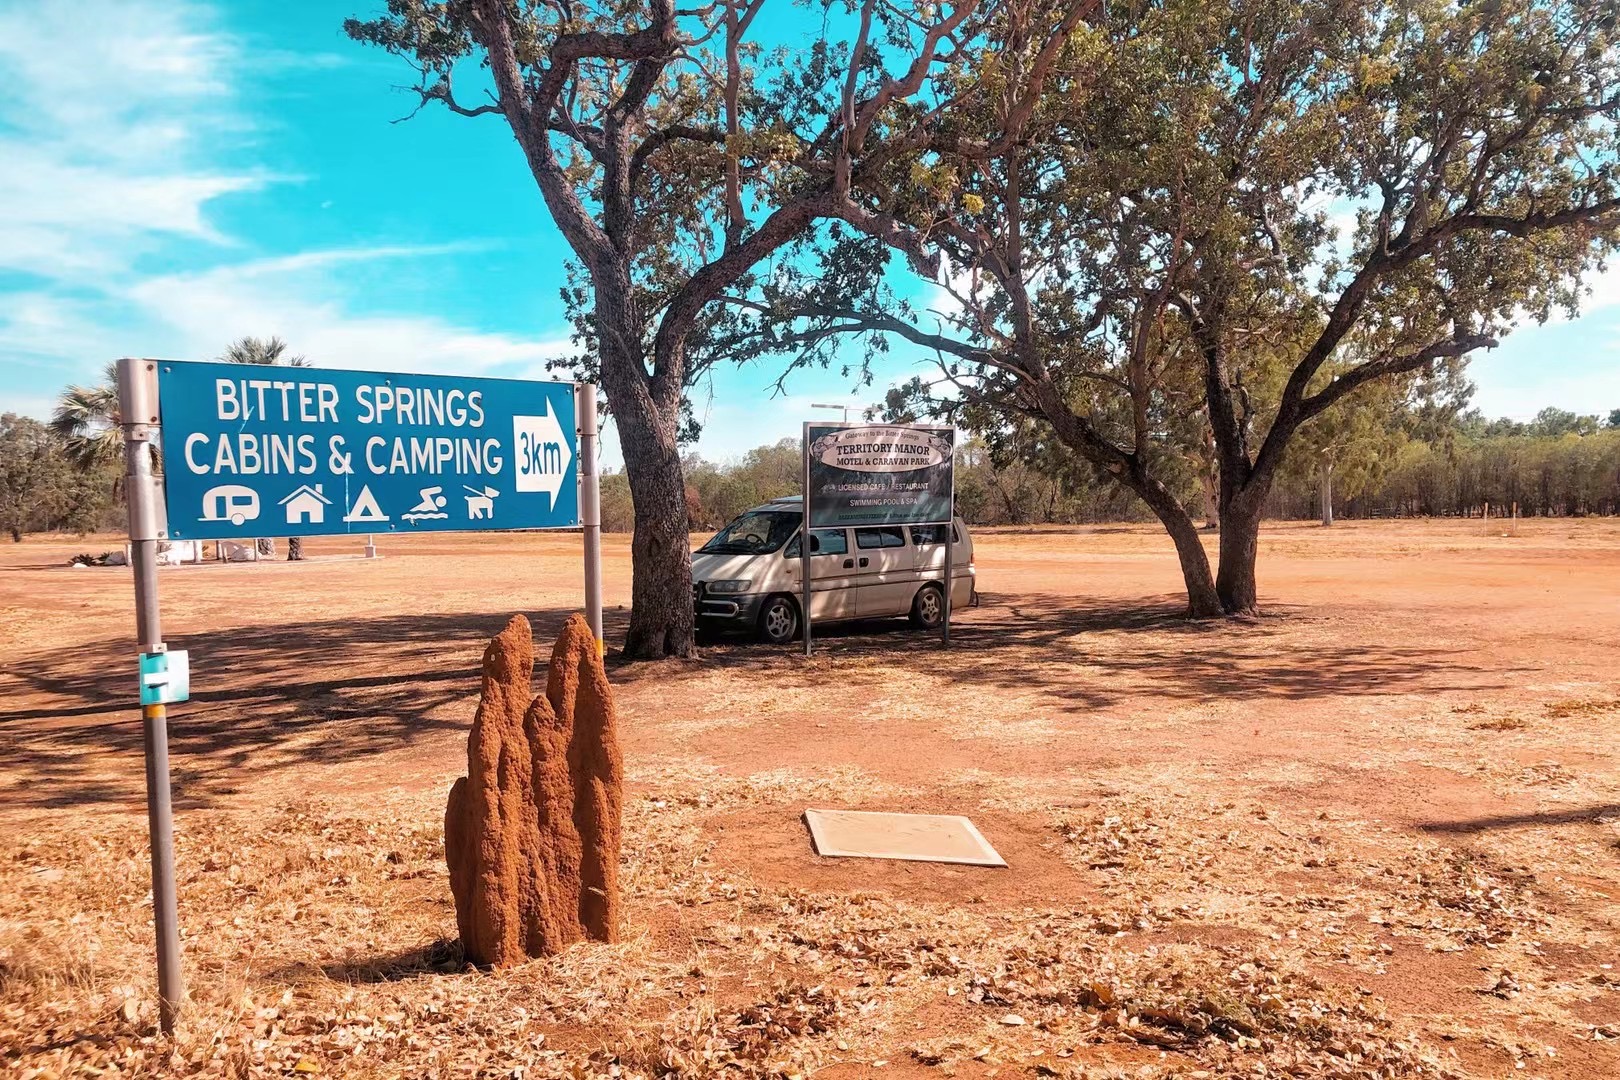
230 502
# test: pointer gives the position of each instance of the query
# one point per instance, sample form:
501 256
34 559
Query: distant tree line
1558 464
67 475
1407 464
44 487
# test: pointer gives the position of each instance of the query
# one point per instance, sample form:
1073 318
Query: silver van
748 575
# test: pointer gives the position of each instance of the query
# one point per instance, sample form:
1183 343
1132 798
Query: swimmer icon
431 508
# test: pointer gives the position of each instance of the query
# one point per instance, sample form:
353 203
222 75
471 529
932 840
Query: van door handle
849 564
865 561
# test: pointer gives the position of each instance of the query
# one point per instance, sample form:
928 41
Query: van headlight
734 585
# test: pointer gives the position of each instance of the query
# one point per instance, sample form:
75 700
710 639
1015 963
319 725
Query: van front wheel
778 621
928 609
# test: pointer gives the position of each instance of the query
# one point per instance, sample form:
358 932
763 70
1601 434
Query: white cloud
107 114
70 221
120 126
35 405
105 77
302 298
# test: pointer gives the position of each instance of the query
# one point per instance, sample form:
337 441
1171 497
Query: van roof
788 503
782 505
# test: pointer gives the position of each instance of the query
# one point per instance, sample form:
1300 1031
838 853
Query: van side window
923 535
822 542
886 537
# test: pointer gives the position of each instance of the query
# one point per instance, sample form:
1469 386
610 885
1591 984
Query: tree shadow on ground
263 698
1584 815
441 957
275 699
1056 645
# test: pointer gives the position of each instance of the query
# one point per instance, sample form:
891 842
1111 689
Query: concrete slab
859 834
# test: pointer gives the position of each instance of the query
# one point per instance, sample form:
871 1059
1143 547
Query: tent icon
365 509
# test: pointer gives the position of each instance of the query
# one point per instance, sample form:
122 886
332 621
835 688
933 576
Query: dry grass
321 941
1325 843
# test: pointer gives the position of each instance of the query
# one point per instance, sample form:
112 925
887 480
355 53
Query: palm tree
262 351
88 420
267 352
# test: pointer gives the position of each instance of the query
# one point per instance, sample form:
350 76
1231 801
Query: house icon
306 505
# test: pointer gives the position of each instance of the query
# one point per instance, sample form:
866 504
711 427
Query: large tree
1159 249
676 155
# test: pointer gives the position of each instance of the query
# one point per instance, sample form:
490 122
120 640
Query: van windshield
757 532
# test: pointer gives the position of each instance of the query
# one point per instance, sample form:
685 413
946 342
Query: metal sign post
259 452
950 560
138 415
590 506
804 540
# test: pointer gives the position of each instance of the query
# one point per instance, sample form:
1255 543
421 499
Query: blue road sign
273 451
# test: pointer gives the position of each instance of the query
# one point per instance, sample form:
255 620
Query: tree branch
441 92
1367 372
664 136
528 122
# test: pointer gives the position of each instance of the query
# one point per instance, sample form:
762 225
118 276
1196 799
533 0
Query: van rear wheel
928 608
778 621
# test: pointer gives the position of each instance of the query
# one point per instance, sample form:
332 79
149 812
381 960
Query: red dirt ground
1393 799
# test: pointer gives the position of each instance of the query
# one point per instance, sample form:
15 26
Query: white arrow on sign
543 455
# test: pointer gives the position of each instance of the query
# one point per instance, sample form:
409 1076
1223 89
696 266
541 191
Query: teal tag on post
165 677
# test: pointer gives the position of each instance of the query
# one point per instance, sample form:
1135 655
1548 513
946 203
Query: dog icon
480 503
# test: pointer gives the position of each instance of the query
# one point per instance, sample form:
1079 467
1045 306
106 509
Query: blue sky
180 174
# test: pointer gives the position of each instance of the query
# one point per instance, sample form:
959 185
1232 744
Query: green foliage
718 493
1555 422
1031 481
1157 270
1418 457
43 484
618 512
87 419
1543 474
261 351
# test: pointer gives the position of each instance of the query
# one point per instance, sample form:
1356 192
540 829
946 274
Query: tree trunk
295 549
1326 470
16 535
661 622
1203 601
646 414
1240 544
1211 483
